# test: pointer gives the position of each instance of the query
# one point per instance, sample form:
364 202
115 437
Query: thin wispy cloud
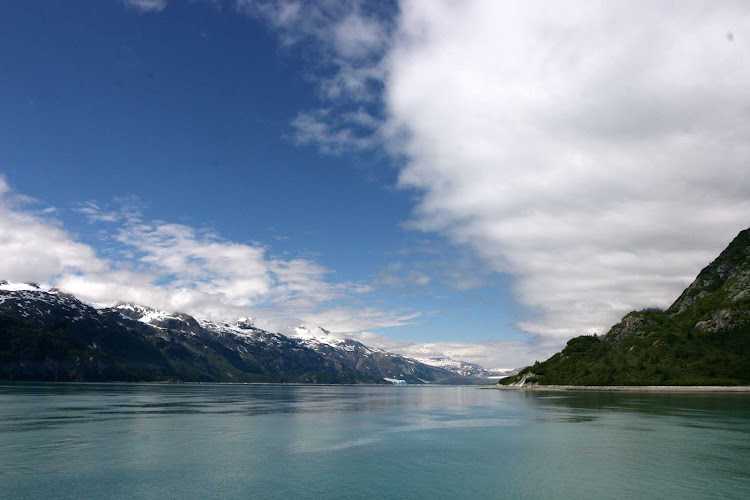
349 40
500 354
146 5
336 134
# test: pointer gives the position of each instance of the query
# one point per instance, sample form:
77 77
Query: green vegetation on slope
702 339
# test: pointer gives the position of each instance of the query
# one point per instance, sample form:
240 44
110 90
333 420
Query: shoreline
623 388
182 382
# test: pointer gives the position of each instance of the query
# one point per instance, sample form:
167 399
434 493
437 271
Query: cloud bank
595 151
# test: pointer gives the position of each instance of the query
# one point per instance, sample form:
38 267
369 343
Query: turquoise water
241 441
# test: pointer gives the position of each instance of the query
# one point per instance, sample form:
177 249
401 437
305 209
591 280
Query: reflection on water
57 404
235 441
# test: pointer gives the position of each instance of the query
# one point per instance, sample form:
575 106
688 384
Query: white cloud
354 321
146 5
356 36
94 213
335 134
341 29
595 151
347 41
400 275
176 267
199 272
33 248
505 354
440 265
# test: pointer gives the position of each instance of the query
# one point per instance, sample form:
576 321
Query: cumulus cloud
33 248
180 267
177 267
595 151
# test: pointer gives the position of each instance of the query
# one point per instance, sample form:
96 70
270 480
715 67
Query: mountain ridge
51 335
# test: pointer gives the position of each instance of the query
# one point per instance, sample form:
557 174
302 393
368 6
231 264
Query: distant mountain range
51 335
702 339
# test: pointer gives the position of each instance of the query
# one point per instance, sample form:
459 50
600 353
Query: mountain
466 369
701 339
355 356
51 335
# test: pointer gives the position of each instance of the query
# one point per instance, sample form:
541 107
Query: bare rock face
720 321
739 287
526 380
634 324
728 274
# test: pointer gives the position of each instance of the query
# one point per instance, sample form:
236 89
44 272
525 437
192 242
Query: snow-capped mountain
354 355
51 335
317 338
33 301
466 369
20 287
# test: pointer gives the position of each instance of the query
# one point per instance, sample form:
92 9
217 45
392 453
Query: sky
481 179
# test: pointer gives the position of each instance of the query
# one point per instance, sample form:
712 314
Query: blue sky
189 110
399 172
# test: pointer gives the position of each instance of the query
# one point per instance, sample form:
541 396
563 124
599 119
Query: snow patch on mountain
460 367
316 335
26 298
242 328
144 314
20 287
464 368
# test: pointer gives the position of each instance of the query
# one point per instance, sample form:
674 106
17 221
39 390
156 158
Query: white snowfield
320 336
148 315
19 287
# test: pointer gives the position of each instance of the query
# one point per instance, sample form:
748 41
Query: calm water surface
241 441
